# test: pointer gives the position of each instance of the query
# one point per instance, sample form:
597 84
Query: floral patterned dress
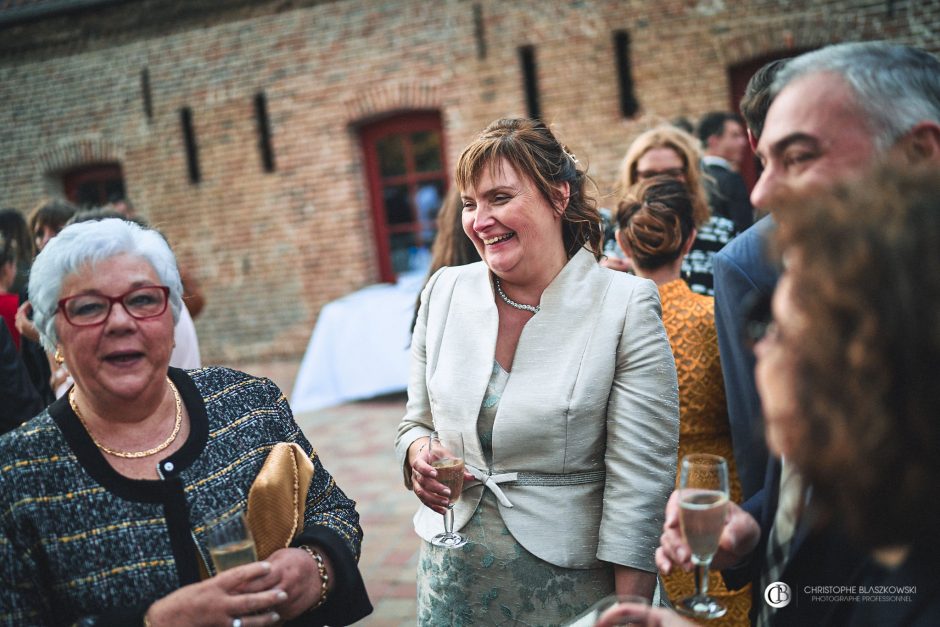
494 580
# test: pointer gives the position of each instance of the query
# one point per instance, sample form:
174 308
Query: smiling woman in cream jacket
560 377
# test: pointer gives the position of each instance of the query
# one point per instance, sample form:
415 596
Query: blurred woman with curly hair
849 376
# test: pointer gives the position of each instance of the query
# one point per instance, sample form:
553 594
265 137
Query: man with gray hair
835 114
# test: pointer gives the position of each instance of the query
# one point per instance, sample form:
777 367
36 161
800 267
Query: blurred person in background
670 151
9 300
14 228
47 218
559 376
724 142
656 230
20 400
451 246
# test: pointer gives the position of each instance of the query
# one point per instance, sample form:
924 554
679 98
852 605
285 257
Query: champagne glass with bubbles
445 454
703 509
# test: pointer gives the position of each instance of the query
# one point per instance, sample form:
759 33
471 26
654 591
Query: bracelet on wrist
324 576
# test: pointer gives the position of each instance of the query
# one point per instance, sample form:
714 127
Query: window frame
98 173
399 124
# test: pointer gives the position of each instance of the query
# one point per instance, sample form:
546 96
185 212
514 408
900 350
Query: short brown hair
534 152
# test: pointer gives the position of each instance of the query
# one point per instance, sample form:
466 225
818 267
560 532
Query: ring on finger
236 622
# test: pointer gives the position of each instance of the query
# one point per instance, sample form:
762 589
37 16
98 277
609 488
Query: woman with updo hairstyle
656 230
671 152
558 375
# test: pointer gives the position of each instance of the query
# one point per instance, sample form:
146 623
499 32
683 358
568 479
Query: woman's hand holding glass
424 478
260 593
240 593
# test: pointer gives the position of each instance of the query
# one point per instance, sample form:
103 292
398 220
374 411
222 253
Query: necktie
789 506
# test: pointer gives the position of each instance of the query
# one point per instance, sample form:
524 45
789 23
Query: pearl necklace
499 290
134 454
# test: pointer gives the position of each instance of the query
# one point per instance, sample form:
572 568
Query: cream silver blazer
586 434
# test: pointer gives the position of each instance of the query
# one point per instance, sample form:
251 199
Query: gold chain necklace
134 454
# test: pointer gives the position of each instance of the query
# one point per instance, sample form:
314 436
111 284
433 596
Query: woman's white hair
84 243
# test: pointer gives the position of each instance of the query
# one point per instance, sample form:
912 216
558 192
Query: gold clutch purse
277 498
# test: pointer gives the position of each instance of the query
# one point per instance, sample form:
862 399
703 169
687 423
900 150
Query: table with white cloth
360 347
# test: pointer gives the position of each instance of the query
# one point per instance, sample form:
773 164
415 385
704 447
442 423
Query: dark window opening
145 93
628 102
530 81
264 132
189 140
479 31
94 185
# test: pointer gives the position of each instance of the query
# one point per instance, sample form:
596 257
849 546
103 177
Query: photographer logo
777 595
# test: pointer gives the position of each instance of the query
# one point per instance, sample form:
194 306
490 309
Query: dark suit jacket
743 270
920 608
728 196
19 400
819 556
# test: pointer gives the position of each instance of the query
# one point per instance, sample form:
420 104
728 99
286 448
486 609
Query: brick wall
272 248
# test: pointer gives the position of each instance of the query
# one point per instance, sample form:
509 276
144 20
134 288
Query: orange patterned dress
689 319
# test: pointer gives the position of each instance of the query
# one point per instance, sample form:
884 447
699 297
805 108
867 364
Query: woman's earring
59 359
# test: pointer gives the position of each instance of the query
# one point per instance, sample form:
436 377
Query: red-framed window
94 185
404 161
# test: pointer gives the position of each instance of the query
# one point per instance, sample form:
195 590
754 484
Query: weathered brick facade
272 248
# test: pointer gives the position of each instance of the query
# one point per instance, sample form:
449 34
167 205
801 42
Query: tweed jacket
589 418
80 543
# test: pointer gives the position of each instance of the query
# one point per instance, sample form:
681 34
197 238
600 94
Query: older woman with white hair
106 496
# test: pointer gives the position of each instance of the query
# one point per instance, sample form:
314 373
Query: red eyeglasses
88 310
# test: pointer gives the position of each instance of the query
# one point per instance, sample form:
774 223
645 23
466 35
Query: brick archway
77 151
387 98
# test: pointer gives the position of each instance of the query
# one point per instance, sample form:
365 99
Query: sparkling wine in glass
230 543
445 454
703 508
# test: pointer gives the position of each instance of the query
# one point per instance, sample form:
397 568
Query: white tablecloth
360 346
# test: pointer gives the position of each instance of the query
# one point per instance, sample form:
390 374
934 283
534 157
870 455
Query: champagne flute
230 542
703 509
445 454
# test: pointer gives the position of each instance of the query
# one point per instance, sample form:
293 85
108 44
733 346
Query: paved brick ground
355 443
